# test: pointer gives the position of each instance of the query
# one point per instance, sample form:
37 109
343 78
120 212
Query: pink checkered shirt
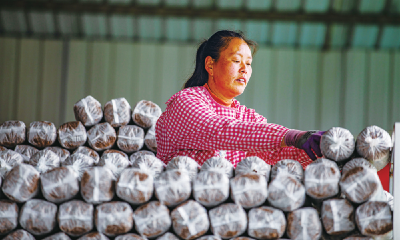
195 125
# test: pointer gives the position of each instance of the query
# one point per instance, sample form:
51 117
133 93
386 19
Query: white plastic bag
374 144
114 218
190 220
42 134
146 113
60 184
38 216
88 111
152 219
117 112
75 217
135 186
337 144
253 165
101 136
130 138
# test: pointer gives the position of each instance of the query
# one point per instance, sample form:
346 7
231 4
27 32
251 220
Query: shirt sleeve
192 124
271 157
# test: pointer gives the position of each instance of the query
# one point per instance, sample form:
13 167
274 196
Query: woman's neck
218 98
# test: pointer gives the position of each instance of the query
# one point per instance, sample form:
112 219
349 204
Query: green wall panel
284 98
330 111
122 71
51 82
98 79
355 89
307 85
378 91
9 53
29 80
302 89
395 104
76 77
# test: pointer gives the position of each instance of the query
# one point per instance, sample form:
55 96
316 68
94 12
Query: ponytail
212 47
200 75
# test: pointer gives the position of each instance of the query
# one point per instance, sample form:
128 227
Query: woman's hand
305 140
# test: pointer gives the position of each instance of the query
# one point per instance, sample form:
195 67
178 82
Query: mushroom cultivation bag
184 163
253 165
249 190
8 216
42 134
79 163
152 219
337 144
8 160
72 135
321 179
45 160
218 164
130 138
190 220
228 220
12 133
59 184
286 193
97 185
288 166
115 162
88 111
304 224
21 183
38 216
26 151
150 139
114 218
173 187
101 136
20 235
266 223
337 216
75 218
146 113
148 163
117 112
135 186
211 188
88 152
374 144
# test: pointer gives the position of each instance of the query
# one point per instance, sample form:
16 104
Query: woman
204 118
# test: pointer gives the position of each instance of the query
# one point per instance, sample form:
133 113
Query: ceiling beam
107 8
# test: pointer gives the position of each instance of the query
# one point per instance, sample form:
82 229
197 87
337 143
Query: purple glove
306 140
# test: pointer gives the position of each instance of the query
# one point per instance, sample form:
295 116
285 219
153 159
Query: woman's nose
243 68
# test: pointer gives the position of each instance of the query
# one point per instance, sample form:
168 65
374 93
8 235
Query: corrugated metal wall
303 89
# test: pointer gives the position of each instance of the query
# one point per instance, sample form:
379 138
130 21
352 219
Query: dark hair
212 47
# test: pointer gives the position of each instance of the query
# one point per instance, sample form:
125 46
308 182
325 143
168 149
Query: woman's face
231 73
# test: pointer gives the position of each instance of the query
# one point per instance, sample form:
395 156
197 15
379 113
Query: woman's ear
209 64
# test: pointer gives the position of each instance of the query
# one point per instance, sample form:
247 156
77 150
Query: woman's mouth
241 80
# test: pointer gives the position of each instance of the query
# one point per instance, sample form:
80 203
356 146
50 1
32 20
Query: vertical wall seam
64 80
343 84
38 114
366 89
16 85
296 87
89 66
318 106
391 92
